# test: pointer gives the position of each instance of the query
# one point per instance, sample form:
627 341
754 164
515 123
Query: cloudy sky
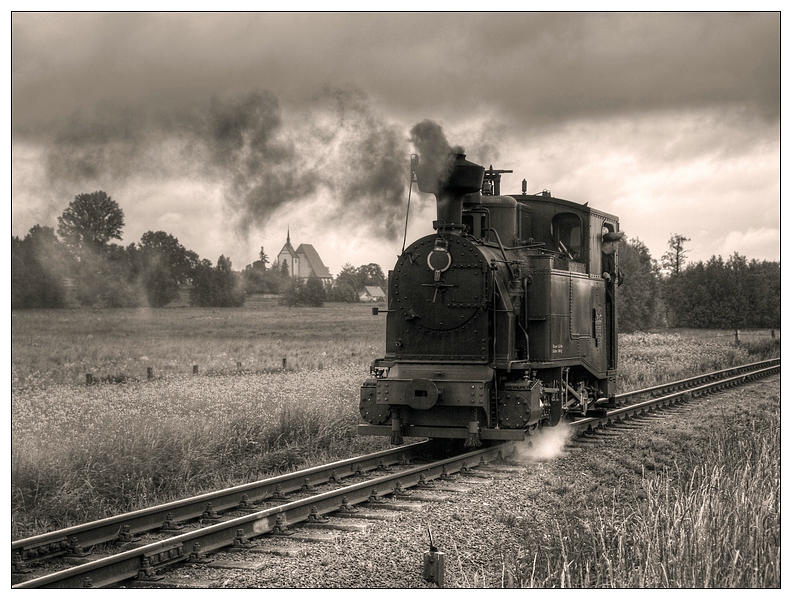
225 129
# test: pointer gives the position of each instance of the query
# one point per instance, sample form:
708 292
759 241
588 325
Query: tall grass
713 522
647 359
82 453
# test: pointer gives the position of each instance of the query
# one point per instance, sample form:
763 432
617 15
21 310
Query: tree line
716 294
731 294
108 274
150 272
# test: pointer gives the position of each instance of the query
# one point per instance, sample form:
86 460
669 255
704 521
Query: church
303 262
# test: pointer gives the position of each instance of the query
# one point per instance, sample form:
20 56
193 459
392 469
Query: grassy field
689 502
61 347
85 452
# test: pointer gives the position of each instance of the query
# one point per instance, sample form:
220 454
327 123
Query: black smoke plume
340 149
366 165
436 154
255 157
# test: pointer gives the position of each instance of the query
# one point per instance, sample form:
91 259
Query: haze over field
222 129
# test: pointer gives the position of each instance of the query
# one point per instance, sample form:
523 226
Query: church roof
312 256
287 247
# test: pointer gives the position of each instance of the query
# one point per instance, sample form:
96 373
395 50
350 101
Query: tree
90 222
342 292
218 286
674 258
202 289
314 293
638 297
103 273
108 278
254 278
371 274
293 291
257 279
351 281
228 287
37 270
728 294
348 277
165 265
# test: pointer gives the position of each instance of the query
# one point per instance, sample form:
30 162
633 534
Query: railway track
138 545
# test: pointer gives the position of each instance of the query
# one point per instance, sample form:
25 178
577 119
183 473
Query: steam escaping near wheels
547 444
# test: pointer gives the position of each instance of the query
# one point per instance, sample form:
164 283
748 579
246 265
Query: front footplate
442 432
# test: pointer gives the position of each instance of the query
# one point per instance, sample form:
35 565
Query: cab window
567 234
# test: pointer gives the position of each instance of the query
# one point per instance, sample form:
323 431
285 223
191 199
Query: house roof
374 291
316 264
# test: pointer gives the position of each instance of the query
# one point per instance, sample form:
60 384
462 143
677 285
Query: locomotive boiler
500 322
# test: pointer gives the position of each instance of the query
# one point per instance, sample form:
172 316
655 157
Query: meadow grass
710 519
647 359
62 346
86 452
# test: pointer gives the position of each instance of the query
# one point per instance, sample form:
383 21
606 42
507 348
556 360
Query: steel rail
143 562
591 423
72 540
698 379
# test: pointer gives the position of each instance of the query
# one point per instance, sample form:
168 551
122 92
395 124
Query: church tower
288 255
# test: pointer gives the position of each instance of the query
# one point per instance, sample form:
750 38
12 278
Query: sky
225 130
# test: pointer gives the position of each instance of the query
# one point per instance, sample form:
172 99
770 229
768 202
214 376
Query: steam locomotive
501 322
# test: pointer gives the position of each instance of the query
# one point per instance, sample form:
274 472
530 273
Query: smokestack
461 178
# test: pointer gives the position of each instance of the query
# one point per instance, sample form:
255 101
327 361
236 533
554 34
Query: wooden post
88 379
284 364
149 372
195 369
239 366
434 564
736 336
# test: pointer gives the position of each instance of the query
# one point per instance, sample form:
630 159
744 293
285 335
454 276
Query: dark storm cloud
274 110
529 68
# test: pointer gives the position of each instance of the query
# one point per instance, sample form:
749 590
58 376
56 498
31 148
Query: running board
442 432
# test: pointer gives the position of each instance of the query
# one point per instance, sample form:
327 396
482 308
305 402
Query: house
303 262
372 293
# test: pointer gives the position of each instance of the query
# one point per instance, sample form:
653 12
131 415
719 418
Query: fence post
88 379
239 366
284 364
150 372
195 369
736 336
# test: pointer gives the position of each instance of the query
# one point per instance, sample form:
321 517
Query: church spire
288 239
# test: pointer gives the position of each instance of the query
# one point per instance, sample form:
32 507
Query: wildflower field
83 452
